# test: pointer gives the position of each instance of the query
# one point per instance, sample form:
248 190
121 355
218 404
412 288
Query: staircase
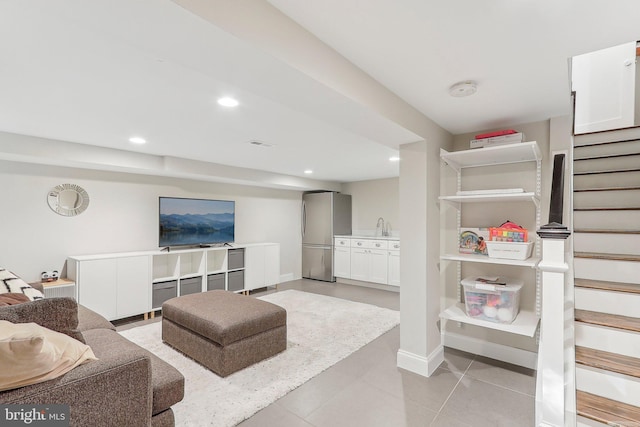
606 224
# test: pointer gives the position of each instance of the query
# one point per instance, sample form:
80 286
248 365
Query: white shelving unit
526 323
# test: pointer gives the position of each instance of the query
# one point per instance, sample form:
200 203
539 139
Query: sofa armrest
115 390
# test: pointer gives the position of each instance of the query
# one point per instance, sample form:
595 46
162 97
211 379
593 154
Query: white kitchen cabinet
378 266
342 257
369 260
393 263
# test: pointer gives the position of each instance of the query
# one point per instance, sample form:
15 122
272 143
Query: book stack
500 137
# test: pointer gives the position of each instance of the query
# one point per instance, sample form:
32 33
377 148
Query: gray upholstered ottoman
224 331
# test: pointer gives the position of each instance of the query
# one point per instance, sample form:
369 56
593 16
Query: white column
550 392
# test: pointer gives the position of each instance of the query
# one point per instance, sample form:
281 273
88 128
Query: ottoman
224 331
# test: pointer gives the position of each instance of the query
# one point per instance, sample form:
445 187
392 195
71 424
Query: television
195 222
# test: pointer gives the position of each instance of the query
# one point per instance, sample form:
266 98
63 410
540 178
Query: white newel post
550 393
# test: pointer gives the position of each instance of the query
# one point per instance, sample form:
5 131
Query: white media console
120 285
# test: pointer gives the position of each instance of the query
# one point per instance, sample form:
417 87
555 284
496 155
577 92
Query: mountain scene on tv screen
195 229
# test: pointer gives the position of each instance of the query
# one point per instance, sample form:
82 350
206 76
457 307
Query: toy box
491 300
473 240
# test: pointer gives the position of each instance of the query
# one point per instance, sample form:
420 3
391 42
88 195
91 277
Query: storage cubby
235 280
165 267
119 285
235 259
216 281
190 285
192 264
216 260
163 291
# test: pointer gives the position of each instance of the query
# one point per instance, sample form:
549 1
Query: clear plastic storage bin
494 303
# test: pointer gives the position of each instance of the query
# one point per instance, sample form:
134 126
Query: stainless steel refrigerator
324 214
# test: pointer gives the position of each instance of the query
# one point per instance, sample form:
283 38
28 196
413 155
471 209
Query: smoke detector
461 89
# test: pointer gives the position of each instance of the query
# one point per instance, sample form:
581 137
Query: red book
496 133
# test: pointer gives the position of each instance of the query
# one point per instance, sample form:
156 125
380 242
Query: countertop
367 237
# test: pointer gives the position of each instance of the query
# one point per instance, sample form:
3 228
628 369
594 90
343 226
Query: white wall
374 199
123 216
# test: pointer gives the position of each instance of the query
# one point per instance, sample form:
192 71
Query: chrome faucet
380 226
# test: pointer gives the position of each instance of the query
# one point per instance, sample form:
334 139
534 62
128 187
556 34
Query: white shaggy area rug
321 331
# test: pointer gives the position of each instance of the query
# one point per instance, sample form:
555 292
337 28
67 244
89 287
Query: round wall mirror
68 199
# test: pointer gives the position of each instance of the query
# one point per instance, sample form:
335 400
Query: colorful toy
508 232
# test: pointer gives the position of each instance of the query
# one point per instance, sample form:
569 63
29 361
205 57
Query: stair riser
626 179
614 163
607 243
607 339
608 270
619 220
586 422
607 199
608 384
628 147
608 302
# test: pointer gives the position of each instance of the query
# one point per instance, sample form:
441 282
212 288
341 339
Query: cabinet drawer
394 245
341 242
369 243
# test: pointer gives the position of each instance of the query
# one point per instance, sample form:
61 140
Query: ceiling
98 72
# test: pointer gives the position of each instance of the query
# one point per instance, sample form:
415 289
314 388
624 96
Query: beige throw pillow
32 354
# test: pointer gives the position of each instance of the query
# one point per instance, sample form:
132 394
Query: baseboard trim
287 277
420 365
515 356
372 285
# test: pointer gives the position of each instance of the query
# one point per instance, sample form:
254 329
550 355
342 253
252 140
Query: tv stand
202 246
167 249
228 244
119 285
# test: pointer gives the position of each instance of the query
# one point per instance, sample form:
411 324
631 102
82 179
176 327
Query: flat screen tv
196 222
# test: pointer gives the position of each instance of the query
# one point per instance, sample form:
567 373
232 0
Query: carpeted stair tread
607 361
631 288
606 411
604 231
605 189
614 257
609 320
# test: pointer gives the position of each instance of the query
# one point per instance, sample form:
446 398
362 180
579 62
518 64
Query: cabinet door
360 264
604 82
378 267
254 264
271 265
133 286
394 268
97 286
342 262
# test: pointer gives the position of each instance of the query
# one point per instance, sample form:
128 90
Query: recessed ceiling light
228 102
137 140
308 171
460 89
394 159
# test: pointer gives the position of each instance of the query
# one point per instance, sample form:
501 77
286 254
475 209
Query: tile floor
367 389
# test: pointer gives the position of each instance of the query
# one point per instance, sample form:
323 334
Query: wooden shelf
526 323
529 262
164 279
494 155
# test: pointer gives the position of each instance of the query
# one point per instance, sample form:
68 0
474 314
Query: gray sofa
127 386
